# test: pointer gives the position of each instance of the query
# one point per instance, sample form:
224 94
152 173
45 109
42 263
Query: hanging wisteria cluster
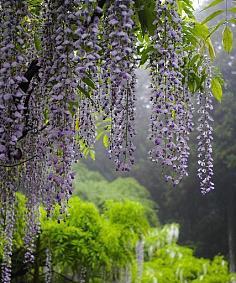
13 115
118 77
48 266
84 69
205 137
87 64
140 258
171 104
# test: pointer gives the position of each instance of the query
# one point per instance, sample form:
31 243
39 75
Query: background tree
112 244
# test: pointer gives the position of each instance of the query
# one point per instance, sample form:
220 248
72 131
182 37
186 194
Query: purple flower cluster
14 39
186 126
87 70
88 48
9 209
140 258
171 105
13 59
87 131
61 92
48 266
205 138
32 190
118 73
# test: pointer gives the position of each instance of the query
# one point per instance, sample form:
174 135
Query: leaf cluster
166 261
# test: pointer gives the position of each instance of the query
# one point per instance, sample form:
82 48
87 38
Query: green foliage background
92 186
99 240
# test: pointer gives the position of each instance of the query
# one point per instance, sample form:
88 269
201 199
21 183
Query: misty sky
198 3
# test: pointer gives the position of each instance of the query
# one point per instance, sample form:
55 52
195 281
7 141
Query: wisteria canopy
67 70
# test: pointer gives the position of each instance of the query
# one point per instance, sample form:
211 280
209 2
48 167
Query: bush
105 245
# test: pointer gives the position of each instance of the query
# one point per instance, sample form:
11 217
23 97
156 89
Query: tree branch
25 133
65 277
18 164
32 71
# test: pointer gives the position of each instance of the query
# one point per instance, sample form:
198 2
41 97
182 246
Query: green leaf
144 58
35 6
216 88
146 14
212 16
92 154
37 42
46 115
233 9
216 27
180 7
86 94
72 107
99 135
212 4
211 49
201 30
227 39
145 53
188 8
106 141
89 82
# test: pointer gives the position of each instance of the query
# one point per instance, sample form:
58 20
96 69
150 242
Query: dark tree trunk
36 262
231 209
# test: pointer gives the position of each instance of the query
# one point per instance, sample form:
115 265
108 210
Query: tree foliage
102 247
92 186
